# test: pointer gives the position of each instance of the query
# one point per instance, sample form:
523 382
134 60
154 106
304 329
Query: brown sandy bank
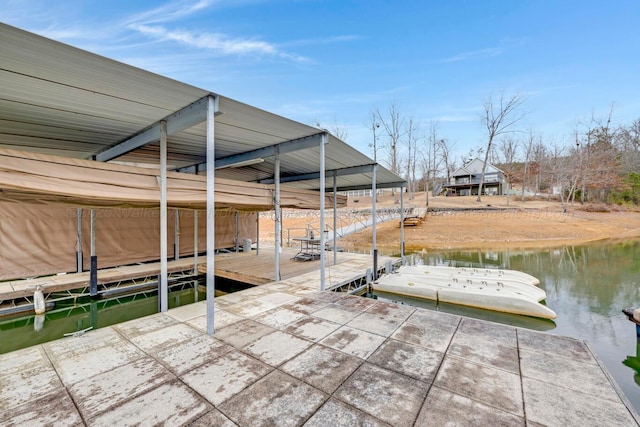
488 224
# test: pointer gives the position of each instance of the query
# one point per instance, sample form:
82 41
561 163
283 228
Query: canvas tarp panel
26 176
37 240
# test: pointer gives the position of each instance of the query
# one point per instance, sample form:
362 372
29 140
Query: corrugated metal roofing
57 99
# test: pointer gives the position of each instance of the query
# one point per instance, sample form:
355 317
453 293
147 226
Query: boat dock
247 267
24 288
287 354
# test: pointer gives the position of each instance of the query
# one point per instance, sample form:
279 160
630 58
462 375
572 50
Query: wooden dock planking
260 269
413 221
244 267
62 282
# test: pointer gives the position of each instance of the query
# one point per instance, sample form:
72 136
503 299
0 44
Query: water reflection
25 331
633 362
587 287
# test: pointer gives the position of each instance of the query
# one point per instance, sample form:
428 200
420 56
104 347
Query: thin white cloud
169 12
156 24
476 54
216 41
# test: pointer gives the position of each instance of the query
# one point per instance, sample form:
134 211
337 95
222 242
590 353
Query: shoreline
457 223
506 230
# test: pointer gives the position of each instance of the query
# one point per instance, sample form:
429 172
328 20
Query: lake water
587 287
26 330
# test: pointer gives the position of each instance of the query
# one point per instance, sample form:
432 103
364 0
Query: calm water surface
28 330
587 287
23 331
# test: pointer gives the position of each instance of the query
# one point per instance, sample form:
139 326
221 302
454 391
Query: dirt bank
489 224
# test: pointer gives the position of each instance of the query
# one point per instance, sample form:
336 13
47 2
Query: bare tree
628 143
539 156
412 156
445 148
340 131
527 149
563 175
394 127
599 160
374 125
471 154
430 155
507 148
498 118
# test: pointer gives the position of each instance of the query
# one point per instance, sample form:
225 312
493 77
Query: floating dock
506 291
285 353
251 268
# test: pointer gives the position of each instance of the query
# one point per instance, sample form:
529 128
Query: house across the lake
465 181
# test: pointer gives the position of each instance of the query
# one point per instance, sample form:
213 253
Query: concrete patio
286 354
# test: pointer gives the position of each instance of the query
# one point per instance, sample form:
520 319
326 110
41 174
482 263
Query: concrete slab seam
53 366
524 402
437 371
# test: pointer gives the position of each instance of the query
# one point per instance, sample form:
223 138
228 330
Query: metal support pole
195 243
323 141
402 260
335 219
374 218
93 268
210 218
79 259
281 230
257 233
176 236
237 234
163 288
276 207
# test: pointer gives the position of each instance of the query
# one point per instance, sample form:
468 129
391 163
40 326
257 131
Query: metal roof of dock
58 99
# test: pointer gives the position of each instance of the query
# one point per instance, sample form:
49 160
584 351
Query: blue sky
334 62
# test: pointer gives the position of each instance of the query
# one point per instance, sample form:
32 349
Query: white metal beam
335 221
212 107
397 184
374 218
325 138
163 292
304 143
353 170
402 260
278 224
182 119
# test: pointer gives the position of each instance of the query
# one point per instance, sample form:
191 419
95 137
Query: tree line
598 162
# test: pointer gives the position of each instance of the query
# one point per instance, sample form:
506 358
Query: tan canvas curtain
38 221
26 176
37 240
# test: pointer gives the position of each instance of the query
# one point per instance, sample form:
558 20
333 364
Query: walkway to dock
286 354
